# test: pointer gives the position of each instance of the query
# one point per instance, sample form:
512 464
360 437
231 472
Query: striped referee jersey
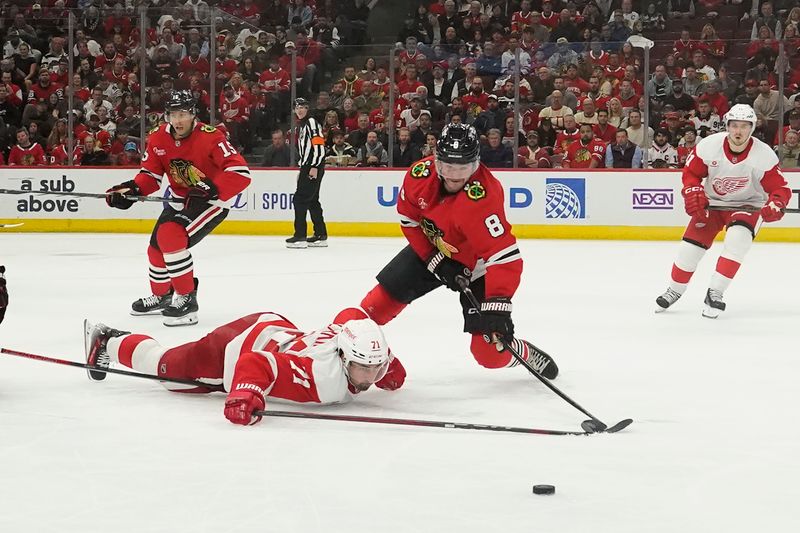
310 143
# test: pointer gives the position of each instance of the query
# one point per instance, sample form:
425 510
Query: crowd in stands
583 97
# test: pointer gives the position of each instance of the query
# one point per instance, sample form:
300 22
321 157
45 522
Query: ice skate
318 241
297 242
95 337
151 305
666 300
182 310
714 304
541 362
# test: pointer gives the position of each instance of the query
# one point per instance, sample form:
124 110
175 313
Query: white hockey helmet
741 112
364 352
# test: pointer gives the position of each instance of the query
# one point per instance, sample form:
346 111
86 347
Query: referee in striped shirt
311 147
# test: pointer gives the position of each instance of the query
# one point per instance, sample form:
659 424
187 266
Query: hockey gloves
773 211
495 320
200 193
394 378
695 201
117 196
4 297
447 270
240 404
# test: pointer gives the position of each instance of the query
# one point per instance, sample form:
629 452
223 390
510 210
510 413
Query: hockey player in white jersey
258 356
726 169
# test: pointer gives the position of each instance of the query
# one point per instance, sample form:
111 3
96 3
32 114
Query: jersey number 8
494 225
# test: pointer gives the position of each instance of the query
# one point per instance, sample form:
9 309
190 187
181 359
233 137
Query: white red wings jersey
204 154
667 153
275 81
280 361
469 226
748 178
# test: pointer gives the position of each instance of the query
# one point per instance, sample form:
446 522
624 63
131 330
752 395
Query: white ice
715 446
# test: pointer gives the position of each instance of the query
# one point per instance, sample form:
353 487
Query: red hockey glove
394 378
240 404
695 201
200 193
773 211
4 296
117 196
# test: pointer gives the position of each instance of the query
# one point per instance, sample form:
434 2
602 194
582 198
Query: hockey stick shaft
413 422
95 195
748 208
86 366
474 302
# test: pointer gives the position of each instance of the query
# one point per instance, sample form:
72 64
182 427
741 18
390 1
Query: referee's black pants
306 200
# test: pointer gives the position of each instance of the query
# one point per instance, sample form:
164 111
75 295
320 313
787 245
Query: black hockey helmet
300 102
181 101
458 144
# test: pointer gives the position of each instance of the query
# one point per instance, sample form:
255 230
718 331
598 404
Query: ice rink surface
715 446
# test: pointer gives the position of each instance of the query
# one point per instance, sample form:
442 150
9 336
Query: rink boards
552 204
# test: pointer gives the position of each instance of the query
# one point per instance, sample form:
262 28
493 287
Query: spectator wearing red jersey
531 155
596 55
523 18
276 83
117 73
225 66
574 83
410 54
684 47
194 64
109 55
25 152
613 68
44 88
351 82
603 130
15 96
586 152
477 99
570 134
549 17
235 111
410 82
311 51
627 96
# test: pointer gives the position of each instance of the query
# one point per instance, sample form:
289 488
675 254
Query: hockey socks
738 240
689 256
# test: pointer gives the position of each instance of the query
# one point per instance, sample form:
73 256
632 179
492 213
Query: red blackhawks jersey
747 178
284 362
469 226
579 155
30 156
205 154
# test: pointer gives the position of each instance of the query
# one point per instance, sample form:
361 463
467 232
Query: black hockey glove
201 192
496 318
3 293
447 270
117 196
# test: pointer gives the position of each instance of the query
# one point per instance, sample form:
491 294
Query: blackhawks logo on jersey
207 129
475 191
421 169
184 173
436 236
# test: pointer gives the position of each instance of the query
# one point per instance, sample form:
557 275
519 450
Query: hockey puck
544 489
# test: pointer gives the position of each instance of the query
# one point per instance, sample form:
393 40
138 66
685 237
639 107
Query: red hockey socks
173 242
380 306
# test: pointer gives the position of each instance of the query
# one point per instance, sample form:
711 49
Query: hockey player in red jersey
260 355
726 169
208 172
451 211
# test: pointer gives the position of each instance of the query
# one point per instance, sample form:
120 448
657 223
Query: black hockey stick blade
593 426
619 426
748 208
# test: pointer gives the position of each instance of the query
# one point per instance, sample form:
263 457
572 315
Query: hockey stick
418 423
12 225
96 195
748 208
106 370
591 426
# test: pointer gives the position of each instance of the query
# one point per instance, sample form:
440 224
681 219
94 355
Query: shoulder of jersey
482 186
765 155
160 129
424 168
710 144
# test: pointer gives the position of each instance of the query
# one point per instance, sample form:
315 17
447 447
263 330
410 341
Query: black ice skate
318 241
666 300
183 309
714 304
541 362
297 242
95 338
151 305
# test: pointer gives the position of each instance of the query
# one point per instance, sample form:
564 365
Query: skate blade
323 244
145 313
711 312
297 245
660 309
186 320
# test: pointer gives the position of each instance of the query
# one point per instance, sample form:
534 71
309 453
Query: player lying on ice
730 169
260 355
